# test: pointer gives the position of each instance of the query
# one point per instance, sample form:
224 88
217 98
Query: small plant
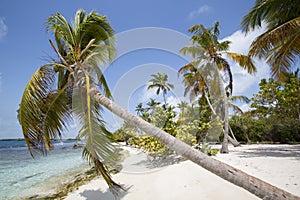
208 150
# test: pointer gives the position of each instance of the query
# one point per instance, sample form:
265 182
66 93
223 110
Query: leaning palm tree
160 81
207 48
59 90
280 43
254 185
45 108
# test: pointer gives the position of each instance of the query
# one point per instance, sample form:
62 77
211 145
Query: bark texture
254 185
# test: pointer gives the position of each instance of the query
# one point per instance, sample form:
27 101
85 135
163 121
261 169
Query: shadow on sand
275 151
152 163
100 195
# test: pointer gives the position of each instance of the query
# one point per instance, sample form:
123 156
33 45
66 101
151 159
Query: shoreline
139 173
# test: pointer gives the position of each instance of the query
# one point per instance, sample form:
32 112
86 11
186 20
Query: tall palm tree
280 43
47 108
207 48
160 81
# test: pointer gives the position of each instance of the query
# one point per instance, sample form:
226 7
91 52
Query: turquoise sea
21 175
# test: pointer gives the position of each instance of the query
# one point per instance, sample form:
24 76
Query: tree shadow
292 151
100 195
152 163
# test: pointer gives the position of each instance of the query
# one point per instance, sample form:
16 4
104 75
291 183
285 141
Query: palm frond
274 38
223 46
61 28
94 26
239 98
100 168
273 12
193 51
245 62
57 115
36 108
283 57
98 148
235 108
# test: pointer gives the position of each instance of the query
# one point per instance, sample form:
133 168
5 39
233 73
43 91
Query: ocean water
21 175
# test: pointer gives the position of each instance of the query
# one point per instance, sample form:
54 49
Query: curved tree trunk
254 185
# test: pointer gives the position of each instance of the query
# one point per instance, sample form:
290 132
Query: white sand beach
176 179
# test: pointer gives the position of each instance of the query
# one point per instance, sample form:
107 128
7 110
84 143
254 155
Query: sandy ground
176 179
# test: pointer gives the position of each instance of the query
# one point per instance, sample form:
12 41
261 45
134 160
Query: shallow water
19 172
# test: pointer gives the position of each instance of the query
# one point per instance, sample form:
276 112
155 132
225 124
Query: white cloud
174 101
199 11
3 28
148 94
243 83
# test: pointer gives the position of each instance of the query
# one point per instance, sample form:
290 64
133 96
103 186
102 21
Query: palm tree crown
46 109
160 81
206 46
280 43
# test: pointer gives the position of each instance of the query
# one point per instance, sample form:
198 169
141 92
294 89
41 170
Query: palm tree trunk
224 148
226 137
254 185
164 96
233 140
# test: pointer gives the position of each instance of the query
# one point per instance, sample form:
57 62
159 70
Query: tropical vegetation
274 114
207 48
280 43
72 87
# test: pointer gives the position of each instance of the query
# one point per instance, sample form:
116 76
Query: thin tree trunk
233 141
231 132
254 185
164 96
224 148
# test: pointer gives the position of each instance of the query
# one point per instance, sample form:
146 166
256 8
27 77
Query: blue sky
24 45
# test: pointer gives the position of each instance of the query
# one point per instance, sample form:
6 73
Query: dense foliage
190 125
275 115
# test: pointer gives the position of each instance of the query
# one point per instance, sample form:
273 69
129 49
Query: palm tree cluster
207 48
74 86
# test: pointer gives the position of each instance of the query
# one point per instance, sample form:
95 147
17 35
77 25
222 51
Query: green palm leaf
244 61
62 30
280 43
193 51
98 147
57 115
38 105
